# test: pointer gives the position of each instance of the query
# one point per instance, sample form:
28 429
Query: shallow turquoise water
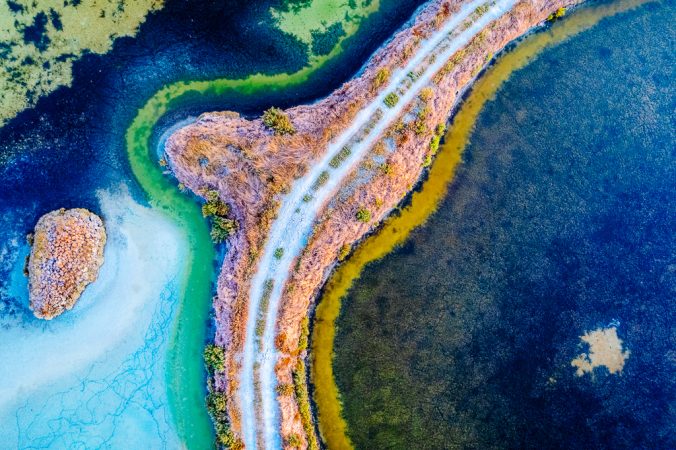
560 221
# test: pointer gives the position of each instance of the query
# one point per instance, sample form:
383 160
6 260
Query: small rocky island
66 255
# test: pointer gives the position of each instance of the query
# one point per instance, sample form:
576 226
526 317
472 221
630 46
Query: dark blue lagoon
535 308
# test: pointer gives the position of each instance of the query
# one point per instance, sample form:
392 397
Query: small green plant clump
556 15
391 99
342 155
278 121
279 252
481 10
364 215
304 334
307 198
214 358
381 77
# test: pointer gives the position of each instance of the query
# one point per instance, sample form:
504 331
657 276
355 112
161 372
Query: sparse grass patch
391 99
321 180
342 155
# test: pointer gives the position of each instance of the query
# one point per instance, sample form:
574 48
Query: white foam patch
74 380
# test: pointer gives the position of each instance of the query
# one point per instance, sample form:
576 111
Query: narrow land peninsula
294 190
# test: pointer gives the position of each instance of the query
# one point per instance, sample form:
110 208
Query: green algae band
333 427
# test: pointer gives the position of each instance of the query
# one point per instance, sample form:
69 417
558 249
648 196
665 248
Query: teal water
114 372
560 221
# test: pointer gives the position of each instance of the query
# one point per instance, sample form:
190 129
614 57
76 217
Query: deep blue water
561 220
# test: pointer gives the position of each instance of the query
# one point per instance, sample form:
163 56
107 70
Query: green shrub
214 206
278 121
342 155
304 334
556 15
391 99
307 198
217 405
279 253
386 169
381 77
222 228
214 358
364 215
419 127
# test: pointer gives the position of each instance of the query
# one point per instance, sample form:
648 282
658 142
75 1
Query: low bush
364 215
279 252
278 121
382 76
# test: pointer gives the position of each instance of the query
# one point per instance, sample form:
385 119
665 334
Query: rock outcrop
66 256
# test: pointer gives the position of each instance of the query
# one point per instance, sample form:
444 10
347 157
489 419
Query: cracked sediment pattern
103 363
252 168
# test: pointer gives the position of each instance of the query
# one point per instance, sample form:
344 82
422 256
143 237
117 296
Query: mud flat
301 199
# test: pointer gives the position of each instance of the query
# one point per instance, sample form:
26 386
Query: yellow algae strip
395 229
